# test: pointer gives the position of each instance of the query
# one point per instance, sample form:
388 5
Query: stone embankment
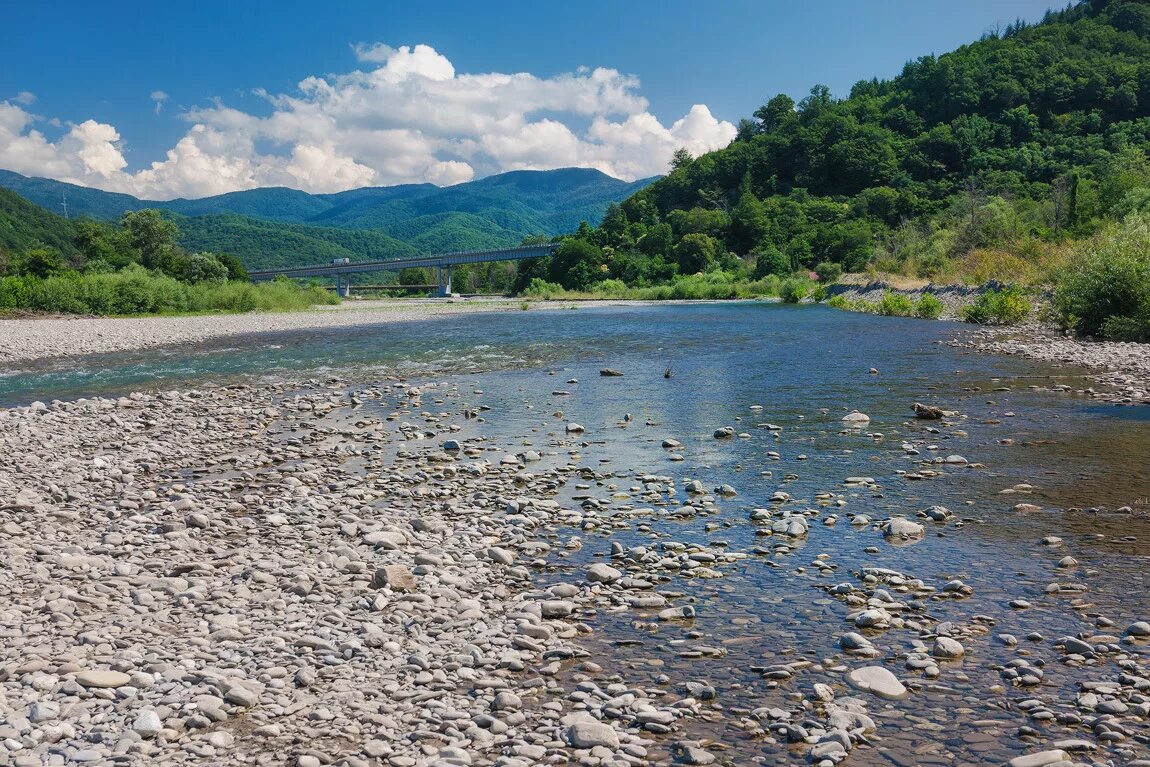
953 297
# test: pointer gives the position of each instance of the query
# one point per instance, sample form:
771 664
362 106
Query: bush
135 290
928 307
1106 288
828 271
204 267
895 305
540 288
998 307
793 291
838 302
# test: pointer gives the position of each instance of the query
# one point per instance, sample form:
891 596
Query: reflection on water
805 367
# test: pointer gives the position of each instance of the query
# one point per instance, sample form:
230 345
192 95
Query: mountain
377 222
995 153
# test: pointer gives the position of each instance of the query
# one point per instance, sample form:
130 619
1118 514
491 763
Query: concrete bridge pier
343 286
443 277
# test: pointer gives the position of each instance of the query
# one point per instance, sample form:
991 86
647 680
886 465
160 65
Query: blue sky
102 62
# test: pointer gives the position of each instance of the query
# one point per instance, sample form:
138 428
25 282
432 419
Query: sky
194 98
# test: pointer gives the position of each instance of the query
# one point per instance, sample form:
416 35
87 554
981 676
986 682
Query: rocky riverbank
360 573
269 576
1122 369
24 340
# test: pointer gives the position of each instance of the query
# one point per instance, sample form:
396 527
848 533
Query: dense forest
983 162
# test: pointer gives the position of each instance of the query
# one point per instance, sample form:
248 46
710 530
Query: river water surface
805 367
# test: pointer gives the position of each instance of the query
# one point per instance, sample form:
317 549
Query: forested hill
1033 134
24 226
378 222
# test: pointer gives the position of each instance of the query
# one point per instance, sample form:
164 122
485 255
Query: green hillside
25 226
1018 142
497 211
268 245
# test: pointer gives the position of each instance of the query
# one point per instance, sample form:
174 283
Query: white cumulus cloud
405 116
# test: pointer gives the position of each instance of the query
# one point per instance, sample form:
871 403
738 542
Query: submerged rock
878 680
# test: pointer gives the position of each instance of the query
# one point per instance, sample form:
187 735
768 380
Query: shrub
838 302
793 291
611 288
204 267
895 305
828 271
928 307
998 307
135 290
14 292
540 288
1106 288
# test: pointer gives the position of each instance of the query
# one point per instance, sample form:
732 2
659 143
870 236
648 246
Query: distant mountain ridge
371 222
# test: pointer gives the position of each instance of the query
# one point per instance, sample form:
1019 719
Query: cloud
25 97
406 116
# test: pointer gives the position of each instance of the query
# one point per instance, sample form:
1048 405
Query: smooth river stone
102 678
878 680
592 734
1041 759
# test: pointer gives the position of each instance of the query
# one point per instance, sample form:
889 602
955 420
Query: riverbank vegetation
52 264
1016 158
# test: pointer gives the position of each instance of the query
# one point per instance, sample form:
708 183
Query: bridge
441 262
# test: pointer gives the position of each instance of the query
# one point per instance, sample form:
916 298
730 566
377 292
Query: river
800 370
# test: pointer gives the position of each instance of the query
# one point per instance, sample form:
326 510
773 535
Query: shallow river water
1087 468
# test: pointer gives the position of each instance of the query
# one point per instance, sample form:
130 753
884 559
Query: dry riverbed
23 340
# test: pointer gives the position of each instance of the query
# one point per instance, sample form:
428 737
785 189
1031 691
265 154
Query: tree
576 264
695 253
237 272
41 262
749 224
154 237
771 260
658 240
776 113
681 159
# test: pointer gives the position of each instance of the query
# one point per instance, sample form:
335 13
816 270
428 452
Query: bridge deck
437 260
